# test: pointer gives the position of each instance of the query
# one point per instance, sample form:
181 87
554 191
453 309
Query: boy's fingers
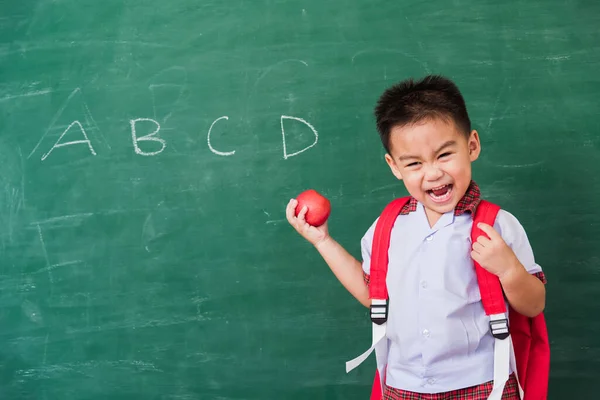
302 214
290 211
478 247
483 241
490 231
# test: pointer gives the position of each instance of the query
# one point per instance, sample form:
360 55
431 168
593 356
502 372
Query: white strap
501 365
378 335
381 358
513 366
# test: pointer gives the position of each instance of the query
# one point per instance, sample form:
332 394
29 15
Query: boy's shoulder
509 227
506 219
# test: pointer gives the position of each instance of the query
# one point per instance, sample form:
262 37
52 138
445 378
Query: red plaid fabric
468 203
479 392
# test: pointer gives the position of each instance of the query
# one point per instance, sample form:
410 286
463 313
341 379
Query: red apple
318 207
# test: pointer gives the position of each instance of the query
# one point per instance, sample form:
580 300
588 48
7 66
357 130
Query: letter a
58 144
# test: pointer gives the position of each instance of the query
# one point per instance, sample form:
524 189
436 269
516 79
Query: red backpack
528 336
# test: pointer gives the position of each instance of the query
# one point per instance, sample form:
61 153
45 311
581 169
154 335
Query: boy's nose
433 173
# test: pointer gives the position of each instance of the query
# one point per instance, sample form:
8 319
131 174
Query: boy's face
433 158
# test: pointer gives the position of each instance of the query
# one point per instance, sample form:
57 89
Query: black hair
410 102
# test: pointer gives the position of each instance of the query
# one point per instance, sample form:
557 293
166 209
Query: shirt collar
468 203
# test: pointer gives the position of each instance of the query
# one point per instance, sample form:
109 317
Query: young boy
440 345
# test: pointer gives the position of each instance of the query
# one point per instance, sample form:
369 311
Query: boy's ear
392 164
474 145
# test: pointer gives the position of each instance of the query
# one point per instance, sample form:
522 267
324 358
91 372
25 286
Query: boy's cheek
413 180
410 182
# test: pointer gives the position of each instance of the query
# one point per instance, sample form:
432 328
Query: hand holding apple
308 214
318 207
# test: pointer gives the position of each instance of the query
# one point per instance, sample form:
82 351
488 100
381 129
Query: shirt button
426 333
424 284
429 238
431 381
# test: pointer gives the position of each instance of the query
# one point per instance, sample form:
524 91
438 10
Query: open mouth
440 194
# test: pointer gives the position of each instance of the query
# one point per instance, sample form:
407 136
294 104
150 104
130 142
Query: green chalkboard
148 150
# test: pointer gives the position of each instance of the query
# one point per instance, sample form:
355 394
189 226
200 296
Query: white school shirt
439 336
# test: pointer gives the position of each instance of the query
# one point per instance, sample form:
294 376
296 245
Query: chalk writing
141 133
58 144
151 137
220 153
285 153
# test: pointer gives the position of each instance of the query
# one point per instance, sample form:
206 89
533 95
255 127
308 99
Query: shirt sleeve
365 249
515 237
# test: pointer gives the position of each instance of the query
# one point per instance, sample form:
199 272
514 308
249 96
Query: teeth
443 196
438 188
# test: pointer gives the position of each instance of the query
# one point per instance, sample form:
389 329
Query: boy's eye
446 154
412 164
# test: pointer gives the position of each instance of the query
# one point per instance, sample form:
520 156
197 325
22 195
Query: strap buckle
499 326
379 311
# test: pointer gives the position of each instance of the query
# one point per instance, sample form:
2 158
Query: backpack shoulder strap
494 306
489 284
379 259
